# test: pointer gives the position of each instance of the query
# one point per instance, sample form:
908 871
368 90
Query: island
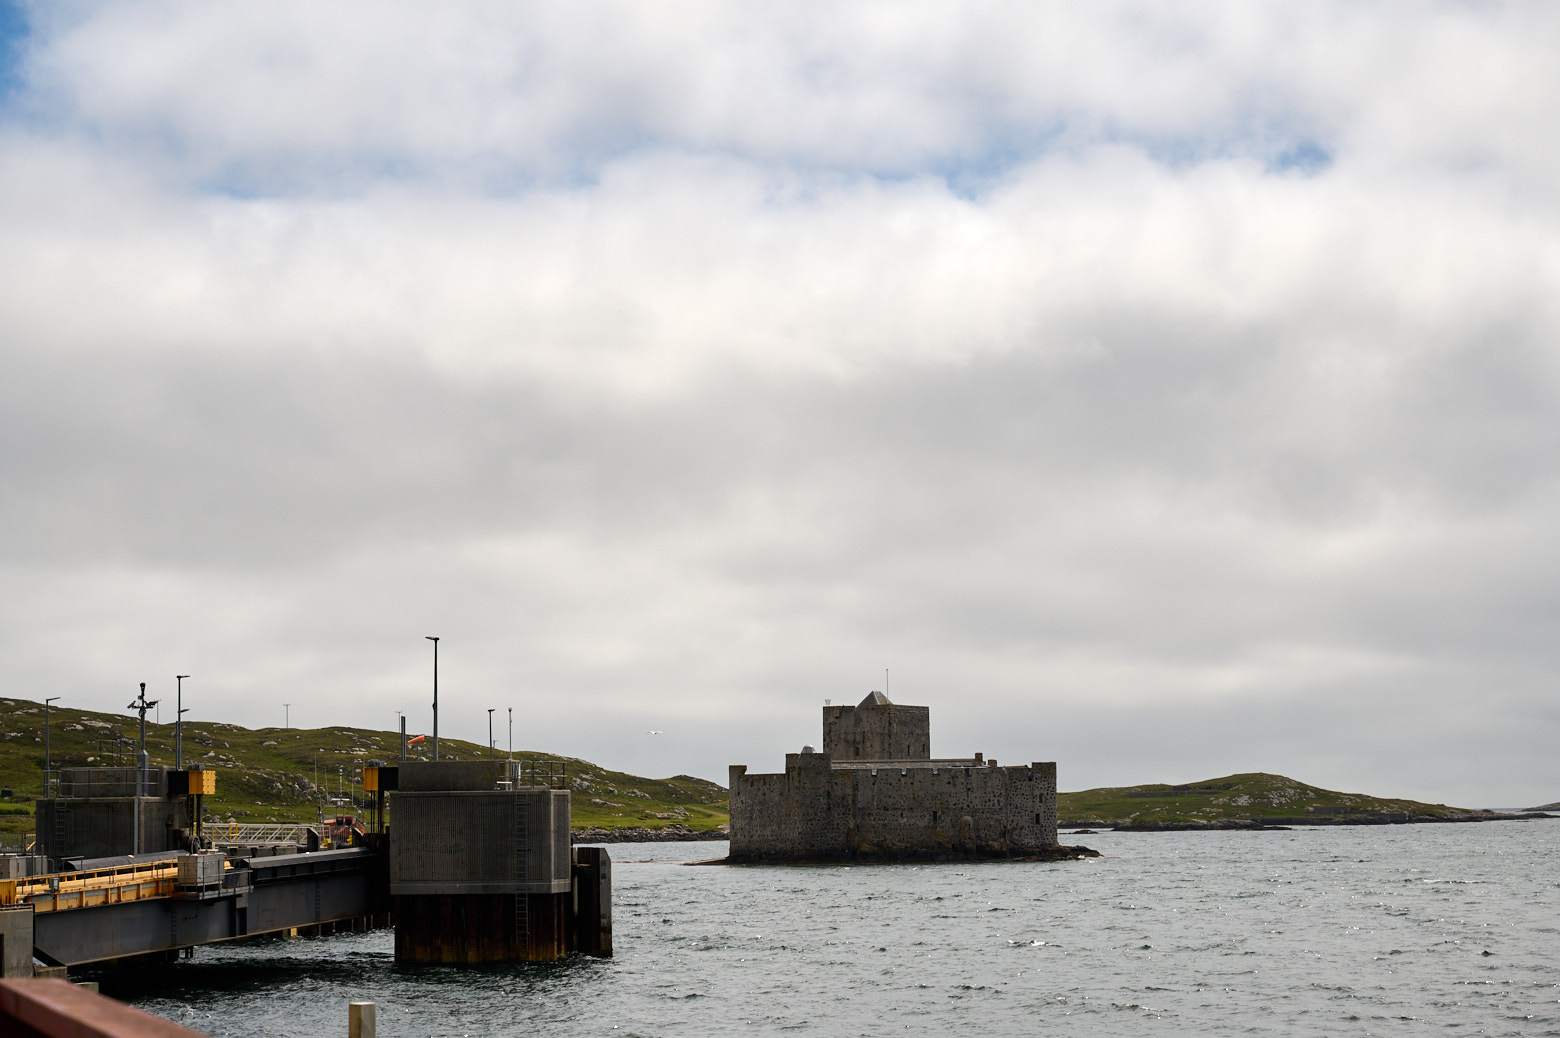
875 793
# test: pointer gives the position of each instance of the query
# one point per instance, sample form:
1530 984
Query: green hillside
1255 796
275 774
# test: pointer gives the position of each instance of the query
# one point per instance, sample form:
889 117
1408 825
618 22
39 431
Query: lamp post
511 733
490 733
435 641
141 706
48 758
178 724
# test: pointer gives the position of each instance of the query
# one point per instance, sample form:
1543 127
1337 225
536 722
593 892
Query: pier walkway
165 906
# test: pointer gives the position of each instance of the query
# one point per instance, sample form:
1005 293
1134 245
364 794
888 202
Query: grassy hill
1255 796
276 774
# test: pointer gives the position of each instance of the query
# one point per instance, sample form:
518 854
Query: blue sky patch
14 31
1307 157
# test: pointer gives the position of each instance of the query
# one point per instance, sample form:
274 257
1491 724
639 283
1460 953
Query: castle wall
816 812
874 731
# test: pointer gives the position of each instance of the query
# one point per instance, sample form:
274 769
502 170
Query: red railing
48 1008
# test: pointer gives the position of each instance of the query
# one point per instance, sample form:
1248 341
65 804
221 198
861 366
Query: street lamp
511 733
435 641
178 725
141 706
490 733
48 758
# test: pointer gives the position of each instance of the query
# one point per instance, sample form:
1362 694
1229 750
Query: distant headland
282 774
1253 800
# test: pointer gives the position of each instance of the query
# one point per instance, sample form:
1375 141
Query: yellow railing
60 891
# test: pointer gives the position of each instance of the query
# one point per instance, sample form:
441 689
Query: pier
475 866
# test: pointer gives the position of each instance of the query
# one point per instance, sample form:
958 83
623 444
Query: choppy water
1402 930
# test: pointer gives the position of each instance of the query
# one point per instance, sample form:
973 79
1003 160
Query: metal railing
61 891
56 1008
136 783
264 832
18 843
553 774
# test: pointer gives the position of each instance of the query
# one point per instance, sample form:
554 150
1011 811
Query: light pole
48 758
435 641
511 733
178 725
490 733
142 705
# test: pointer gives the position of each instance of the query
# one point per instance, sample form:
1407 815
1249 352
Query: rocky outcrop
1055 852
674 833
1250 824
1289 822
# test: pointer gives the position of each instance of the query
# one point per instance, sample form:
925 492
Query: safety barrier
265 832
61 891
60 1009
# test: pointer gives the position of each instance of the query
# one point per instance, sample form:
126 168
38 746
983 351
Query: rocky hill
1244 801
276 774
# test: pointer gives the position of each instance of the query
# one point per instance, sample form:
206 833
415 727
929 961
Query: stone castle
875 793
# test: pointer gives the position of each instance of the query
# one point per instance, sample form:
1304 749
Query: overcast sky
1163 391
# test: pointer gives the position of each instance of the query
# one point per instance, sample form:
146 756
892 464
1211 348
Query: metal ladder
522 872
57 849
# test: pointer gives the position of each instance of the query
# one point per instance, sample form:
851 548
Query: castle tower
876 729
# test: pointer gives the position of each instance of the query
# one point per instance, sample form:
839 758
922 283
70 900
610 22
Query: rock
675 833
1244 824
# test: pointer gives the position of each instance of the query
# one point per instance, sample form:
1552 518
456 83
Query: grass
282 775
1253 795
275 774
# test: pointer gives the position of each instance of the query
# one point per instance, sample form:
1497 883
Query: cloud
296 94
1156 392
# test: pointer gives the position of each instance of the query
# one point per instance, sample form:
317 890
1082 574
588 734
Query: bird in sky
655 731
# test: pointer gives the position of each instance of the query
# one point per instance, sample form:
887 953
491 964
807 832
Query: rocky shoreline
674 833
1058 852
1307 821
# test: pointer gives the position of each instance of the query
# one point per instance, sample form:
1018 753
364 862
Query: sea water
1391 930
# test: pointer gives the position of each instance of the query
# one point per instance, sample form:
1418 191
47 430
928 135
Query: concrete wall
471 842
113 782
449 775
16 941
816 812
104 827
877 731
